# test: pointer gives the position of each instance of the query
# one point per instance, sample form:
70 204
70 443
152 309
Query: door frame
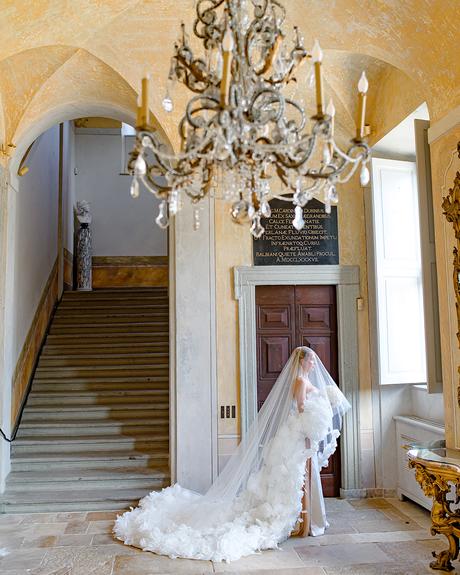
346 280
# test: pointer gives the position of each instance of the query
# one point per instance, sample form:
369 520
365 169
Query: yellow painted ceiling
61 60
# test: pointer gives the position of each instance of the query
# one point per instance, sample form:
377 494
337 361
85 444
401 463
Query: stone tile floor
366 537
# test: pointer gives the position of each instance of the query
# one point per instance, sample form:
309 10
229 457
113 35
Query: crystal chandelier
240 132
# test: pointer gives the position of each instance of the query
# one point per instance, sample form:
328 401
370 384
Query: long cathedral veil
255 501
251 452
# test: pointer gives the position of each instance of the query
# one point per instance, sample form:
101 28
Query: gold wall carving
33 342
451 210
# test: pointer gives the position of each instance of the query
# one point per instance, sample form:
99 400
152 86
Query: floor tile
80 560
37 542
76 526
385 569
271 559
339 555
74 540
102 515
305 570
23 559
100 526
151 564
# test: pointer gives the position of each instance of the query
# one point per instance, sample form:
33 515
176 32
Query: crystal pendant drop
257 229
298 221
265 209
162 218
364 176
332 195
251 211
196 218
134 189
173 202
167 103
327 206
140 167
239 211
326 154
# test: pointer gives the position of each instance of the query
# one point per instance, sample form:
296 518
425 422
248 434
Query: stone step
33 413
95 443
83 399
89 500
157 327
115 292
84 459
93 427
108 339
109 318
87 479
115 349
118 371
100 310
137 385
154 358
108 303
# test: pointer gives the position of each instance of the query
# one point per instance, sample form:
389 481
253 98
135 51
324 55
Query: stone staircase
95 431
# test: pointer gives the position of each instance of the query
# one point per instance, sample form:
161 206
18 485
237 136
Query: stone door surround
346 280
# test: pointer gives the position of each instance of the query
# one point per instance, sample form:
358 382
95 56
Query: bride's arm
300 393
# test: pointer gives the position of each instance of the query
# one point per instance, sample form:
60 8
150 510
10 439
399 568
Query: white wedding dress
256 501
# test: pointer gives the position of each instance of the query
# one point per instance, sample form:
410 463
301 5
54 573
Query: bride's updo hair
303 352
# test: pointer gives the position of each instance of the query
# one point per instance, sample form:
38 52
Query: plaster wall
31 245
34 238
121 226
68 184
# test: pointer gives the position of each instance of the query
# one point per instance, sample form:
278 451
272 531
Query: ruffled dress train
178 522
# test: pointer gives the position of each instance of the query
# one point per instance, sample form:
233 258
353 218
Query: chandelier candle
227 47
145 101
317 57
242 131
363 86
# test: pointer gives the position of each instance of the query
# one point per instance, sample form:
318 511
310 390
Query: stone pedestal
84 258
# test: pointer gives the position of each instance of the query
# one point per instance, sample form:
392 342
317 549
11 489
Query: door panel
287 317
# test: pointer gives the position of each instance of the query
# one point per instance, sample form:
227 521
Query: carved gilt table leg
437 484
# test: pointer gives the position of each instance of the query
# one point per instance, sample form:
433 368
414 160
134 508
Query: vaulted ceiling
67 59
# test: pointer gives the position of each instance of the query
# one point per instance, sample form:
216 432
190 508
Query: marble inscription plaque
281 244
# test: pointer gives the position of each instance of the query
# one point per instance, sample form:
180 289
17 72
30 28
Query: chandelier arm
193 76
303 121
207 18
292 164
152 186
275 98
189 112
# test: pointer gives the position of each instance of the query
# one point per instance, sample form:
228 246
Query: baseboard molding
68 270
130 271
33 342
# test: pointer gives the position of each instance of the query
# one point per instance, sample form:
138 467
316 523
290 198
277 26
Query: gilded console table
438 472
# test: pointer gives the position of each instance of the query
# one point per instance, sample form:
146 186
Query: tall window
398 273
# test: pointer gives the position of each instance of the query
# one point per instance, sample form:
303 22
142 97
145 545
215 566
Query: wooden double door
288 317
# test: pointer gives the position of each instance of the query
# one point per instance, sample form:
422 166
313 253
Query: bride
255 502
